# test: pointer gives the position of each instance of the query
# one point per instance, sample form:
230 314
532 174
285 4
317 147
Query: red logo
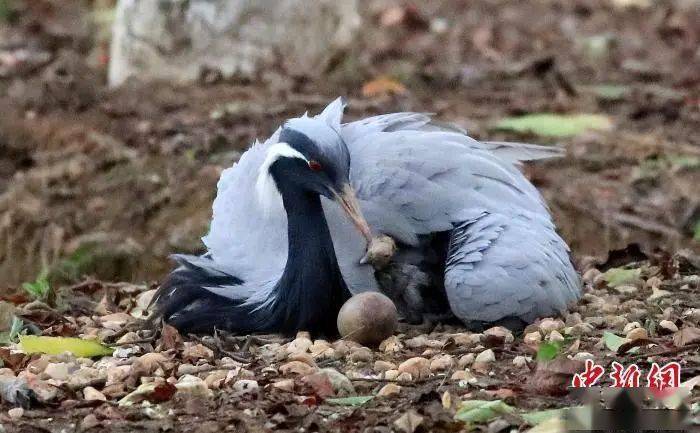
663 380
625 377
589 377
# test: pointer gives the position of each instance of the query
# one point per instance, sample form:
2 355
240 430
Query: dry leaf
408 422
554 377
382 86
170 338
686 336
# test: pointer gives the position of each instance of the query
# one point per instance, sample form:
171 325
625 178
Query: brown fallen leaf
164 391
14 361
554 377
382 86
629 345
408 422
686 336
170 338
321 385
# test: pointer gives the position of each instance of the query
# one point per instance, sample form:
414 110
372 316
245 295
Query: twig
673 351
401 382
646 225
216 346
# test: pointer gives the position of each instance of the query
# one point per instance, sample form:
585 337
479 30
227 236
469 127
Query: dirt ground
105 183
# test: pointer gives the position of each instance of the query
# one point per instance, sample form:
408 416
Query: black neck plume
311 290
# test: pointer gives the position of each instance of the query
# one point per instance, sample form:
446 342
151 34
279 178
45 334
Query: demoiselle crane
395 203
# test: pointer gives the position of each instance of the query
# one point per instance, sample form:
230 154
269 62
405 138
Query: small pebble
296 367
216 379
466 360
520 361
245 386
533 339
464 375
573 319
382 366
501 333
300 344
555 336
548 325
582 356
582 329
304 357
361 354
15 413
391 345
91 394
637 334
668 326
466 339
193 385
626 290
485 357
391 374
90 421
195 352
617 322
417 367
658 294
590 275
404 377
388 390
441 363
284 385
57 371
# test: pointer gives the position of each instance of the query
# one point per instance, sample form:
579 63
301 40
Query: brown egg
367 318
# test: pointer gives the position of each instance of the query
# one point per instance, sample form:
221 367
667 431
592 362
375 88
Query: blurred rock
182 41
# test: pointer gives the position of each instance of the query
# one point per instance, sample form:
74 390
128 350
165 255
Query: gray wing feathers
517 152
490 275
427 179
414 177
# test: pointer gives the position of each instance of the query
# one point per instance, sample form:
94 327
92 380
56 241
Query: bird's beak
347 200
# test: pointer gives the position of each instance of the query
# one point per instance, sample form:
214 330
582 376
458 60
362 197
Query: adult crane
396 203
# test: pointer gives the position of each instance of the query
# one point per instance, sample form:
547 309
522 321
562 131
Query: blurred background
117 117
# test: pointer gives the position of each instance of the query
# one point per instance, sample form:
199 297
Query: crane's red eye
315 165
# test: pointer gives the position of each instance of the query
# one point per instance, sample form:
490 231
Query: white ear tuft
266 190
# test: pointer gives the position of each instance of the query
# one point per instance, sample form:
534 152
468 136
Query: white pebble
668 326
485 357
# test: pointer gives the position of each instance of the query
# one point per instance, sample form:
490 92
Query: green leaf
11 335
618 276
551 425
537 417
57 345
555 125
548 350
40 288
610 92
473 411
612 341
696 231
358 400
